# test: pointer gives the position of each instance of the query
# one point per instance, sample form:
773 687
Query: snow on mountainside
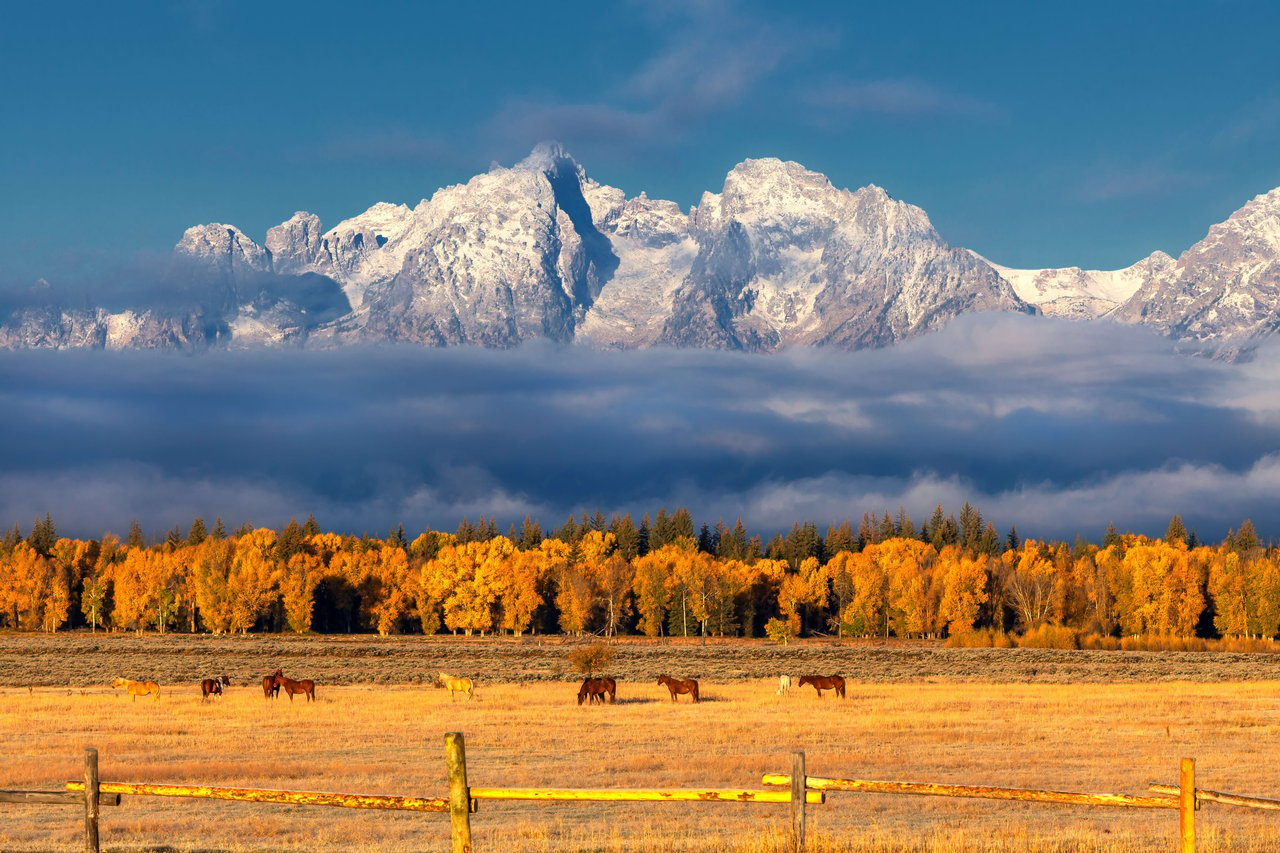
1222 296
778 257
1078 294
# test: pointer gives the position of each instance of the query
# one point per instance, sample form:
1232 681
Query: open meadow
1012 718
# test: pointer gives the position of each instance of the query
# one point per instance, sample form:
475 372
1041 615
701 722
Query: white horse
784 684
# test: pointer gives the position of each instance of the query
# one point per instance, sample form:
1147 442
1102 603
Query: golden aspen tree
1227 588
1262 594
909 565
1029 583
210 571
964 588
253 580
616 578
298 590
518 596
862 589
652 590
27 581
392 591
97 582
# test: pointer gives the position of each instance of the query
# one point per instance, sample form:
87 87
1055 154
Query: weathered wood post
798 785
455 756
91 795
1187 806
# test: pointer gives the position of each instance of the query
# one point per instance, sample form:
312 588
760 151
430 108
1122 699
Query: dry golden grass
367 739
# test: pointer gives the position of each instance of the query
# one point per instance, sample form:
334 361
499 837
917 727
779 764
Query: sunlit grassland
366 739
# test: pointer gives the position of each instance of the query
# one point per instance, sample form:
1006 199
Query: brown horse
213 687
823 682
292 687
270 689
595 690
137 688
456 685
675 685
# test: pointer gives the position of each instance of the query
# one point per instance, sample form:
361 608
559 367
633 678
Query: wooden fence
796 789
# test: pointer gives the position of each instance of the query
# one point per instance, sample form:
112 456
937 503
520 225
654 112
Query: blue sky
1037 134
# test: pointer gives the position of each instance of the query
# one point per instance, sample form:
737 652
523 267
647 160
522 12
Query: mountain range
779 257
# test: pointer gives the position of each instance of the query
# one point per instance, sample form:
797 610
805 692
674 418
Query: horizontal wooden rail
262 795
1223 797
978 791
51 798
636 795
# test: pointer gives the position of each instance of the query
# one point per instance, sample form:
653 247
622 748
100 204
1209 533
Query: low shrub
1049 637
591 660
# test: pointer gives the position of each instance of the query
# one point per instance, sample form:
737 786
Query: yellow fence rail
796 789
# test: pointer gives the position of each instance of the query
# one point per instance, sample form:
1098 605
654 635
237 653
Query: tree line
663 577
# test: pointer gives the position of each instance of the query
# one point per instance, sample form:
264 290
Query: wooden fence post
91 795
799 782
455 756
1187 806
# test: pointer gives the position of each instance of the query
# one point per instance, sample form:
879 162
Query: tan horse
456 685
137 688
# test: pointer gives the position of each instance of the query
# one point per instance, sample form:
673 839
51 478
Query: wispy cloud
708 57
901 97
1139 181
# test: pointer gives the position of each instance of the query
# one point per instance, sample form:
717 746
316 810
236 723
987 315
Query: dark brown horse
595 689
213 687
675 685
292 687
270 689
824 682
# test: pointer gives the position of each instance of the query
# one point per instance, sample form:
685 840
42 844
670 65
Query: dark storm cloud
1057 427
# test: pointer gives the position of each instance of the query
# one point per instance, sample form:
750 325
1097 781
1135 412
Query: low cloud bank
1054 426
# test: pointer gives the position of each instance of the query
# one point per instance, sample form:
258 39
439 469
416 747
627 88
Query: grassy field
994 723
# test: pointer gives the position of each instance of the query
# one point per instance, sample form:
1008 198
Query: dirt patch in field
82 659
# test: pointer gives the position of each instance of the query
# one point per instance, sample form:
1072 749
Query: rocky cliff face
1222 296
778 257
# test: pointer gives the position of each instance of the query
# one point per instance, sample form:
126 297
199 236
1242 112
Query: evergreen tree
886 530
1193 541
1246 538
245 528
990 542
466 532
905 526
708 541
12 538
1013 541
934 527
135 539
569 532
840 538
197 533
660 533
219 529
530 534
289 541
777 549
1110 537
598 522
624 530
395 538
644 536
971 527
43 536
173 538
1176 534
734 544
310 527
867 532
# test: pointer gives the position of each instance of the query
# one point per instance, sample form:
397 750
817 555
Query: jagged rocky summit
539 251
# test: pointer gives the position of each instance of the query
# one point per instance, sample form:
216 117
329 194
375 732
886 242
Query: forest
948 577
